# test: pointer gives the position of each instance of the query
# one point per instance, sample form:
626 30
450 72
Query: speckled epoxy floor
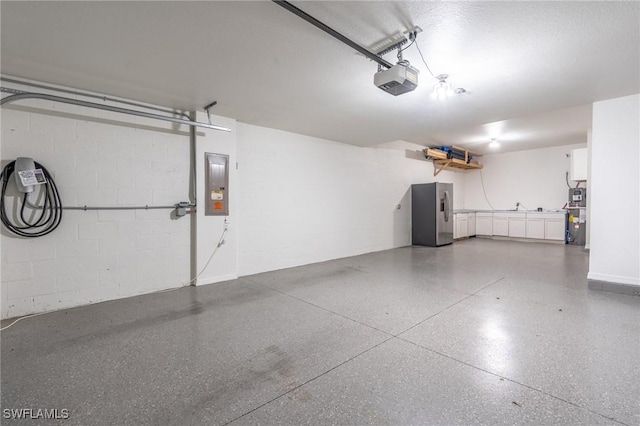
480 332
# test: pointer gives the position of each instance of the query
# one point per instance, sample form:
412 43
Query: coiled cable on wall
484 190
50 212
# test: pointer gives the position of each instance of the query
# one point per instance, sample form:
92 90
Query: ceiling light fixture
442 88
494 144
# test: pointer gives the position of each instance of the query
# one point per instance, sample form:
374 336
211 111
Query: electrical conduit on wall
105 160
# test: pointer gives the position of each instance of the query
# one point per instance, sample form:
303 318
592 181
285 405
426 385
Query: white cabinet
509 224
554 229
463 225
546 225
533 225
455 226
484 224
471 225
535 228
460 225
517 225
501 224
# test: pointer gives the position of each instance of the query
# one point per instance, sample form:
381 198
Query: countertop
506 211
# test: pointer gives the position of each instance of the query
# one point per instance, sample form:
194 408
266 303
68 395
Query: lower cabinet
500 225
535 228
455 226
471 225
460 225
546 225
484 224
554 229
517 227
533 225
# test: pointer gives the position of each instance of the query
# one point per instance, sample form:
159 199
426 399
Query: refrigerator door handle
446 206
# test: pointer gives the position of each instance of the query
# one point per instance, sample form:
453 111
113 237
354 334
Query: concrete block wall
295 200
106 159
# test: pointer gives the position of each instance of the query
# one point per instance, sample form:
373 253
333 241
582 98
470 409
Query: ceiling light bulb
449 90
442 89
494 143
436 91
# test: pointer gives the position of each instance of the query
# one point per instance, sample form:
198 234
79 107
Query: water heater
577 217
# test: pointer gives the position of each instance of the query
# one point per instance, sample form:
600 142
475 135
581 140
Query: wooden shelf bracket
443 165
441 160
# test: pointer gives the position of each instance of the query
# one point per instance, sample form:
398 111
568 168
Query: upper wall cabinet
579 164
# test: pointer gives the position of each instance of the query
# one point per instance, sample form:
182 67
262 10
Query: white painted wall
587 244
295 200
615 191
305 200
102 158
535 178
208 230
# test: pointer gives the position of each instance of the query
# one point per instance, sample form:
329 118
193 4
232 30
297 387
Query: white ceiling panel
534 66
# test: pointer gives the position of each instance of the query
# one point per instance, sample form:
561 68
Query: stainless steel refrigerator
432 214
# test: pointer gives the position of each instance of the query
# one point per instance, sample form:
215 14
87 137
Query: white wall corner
615 192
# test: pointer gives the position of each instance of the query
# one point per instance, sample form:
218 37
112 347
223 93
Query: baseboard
611 287
216 279
620 279
522 240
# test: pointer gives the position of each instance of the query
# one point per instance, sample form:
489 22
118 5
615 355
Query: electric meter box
216 168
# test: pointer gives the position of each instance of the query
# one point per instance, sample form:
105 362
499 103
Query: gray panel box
216 168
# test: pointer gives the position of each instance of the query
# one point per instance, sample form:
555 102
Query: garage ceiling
531 69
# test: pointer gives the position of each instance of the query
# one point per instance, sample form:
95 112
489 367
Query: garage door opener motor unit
400 78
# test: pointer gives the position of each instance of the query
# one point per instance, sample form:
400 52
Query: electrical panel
216 168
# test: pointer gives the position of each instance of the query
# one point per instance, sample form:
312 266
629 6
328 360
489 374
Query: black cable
40 220
51 214
412 41
570 238
484 191
425 62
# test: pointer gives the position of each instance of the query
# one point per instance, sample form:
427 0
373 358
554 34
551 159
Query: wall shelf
441 160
